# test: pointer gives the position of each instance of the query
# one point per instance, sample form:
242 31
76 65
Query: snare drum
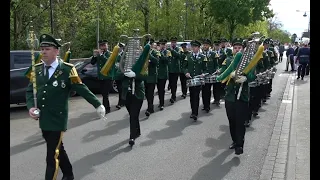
210 79
195 82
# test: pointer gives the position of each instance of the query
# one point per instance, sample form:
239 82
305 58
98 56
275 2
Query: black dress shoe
107 110
118 106
171 100
238 150
183 96
147 113
131 142
254 114
207 110
67 178
232 146
195 118
161 108
216 103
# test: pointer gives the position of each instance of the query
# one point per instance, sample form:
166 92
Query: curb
274 166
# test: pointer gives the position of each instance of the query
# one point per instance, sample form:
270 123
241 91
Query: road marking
287 101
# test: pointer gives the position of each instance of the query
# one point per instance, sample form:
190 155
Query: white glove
130 74
233 74
241 79
101 110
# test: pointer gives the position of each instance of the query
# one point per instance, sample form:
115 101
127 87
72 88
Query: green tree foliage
239 12
76 20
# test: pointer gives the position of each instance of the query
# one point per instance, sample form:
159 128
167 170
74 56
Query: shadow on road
18 112
82 119
85 166
216 169
113 127
31 141
174 129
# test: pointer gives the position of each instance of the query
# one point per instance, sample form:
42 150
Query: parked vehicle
19 62
89 76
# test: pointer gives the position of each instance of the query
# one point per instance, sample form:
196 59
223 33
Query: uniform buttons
46 85
43 105
44 91
43 98
60 112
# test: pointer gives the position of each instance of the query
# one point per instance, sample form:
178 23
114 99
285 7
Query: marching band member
55 80
267 66
118 76
183 79
194 65
211 67
100 58
162 71
152 78
236 109
173 68
134 97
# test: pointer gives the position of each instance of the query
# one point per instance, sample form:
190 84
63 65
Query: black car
19 63
89 76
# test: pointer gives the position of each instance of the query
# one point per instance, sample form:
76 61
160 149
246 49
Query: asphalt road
171 147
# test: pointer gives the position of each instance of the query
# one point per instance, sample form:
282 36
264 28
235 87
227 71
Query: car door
18 82
88 75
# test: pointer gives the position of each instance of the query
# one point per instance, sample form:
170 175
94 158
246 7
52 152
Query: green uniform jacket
152 67
163 64
115 72
272 57
53 95
266 61
183 56
232 88
259 68
225 64
195 66
222 56
139 89
174 61
100 61
212 61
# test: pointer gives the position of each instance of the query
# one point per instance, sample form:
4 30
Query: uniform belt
304 56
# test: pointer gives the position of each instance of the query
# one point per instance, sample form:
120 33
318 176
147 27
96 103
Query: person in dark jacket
303 59
290 54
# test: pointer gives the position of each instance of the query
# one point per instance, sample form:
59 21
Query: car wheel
114 86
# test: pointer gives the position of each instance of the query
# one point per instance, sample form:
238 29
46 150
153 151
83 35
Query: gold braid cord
56 157
75 79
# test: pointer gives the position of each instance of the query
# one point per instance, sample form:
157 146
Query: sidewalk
288 156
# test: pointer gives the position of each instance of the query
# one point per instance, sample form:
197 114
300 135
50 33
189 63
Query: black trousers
54 141
269 90
173 80
264 91
183 81
133 105
206 93
119 87
222 89
150 95
254 101
161 90
236 112
307 69
195 99
280 57
302 69
105 87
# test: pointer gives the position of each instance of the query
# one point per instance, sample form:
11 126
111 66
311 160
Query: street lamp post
305 15
98 23
51 17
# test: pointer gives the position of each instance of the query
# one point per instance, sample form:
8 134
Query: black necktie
47 72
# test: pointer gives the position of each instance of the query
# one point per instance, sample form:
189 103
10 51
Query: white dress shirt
52 69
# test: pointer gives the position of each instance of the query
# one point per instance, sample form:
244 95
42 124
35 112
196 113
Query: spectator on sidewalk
281 50
290 54
303 59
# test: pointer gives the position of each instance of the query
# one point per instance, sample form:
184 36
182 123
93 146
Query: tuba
132 53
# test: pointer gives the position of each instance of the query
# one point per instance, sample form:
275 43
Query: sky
286 13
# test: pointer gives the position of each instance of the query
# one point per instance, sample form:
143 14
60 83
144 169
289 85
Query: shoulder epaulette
68 64
38 64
